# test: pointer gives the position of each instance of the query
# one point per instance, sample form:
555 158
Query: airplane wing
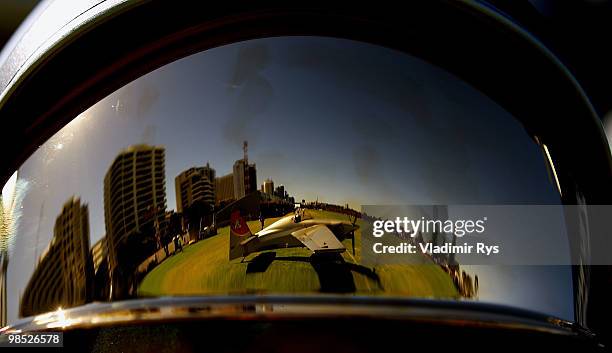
319 239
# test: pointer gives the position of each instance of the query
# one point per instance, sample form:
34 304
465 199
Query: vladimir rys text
404 226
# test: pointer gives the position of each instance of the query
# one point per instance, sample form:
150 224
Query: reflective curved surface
136 196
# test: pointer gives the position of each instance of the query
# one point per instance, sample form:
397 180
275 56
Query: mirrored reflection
64 274
243 169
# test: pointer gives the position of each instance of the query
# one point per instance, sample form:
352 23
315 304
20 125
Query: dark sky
337 120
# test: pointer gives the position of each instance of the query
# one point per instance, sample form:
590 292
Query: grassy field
203 268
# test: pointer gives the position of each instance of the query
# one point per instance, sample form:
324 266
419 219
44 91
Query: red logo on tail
238 225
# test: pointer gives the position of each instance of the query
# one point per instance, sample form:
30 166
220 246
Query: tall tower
245 178
195 184
268 187
134 196
64 274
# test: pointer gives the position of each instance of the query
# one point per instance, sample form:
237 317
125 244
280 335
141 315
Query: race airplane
320 235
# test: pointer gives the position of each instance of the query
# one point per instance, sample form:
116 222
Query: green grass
203 268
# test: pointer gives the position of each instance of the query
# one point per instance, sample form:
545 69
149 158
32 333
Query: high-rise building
280 192
99 252
195 184
64 274
134 196
245 175
99 255
245 178
224 188
268 187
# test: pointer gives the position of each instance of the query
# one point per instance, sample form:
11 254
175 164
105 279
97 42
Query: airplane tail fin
239 231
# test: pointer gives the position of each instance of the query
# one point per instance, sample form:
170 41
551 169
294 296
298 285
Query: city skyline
130 114
330 119
134 196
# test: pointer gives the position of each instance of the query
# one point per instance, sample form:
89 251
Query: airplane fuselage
279 233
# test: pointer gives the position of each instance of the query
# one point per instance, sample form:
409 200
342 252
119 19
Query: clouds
251 91
148 96
136 100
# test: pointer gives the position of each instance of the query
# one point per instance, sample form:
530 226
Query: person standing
261 219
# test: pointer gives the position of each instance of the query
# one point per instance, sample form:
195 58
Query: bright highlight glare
552 166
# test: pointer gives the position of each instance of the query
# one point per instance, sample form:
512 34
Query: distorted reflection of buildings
134 196
99 255
280 192
245 178
196 184
64 274
236 185
268 187
195 199
245 175
224 189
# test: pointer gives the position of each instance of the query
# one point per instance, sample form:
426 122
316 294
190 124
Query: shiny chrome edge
39 52
270 307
